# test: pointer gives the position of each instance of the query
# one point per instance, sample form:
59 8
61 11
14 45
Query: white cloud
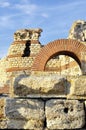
4 4
45 15
26 8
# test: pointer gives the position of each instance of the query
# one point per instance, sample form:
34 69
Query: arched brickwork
69 47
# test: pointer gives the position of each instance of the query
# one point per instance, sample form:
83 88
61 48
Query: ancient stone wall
34 114
23 51
45 100
63 65
44 87
3 73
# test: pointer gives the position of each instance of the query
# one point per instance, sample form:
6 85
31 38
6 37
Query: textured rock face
44 84
25 113
27 34
3 121
37 114
3 74
3 124
2 108
78 31
64 114
78 86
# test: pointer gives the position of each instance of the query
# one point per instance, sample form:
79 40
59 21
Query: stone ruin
44 87
78 31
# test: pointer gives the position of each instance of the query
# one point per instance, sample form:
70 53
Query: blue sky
55 17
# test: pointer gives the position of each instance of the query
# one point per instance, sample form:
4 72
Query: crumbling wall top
78 31
27 34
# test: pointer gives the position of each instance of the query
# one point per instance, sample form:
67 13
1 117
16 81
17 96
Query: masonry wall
64 65
15 63
57 102
34 114
48 100
18 60
3 73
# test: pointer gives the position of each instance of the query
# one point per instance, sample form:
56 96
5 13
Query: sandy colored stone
3 124
2 106
27 34
64 114
43 84
3 75
25 113
78 31
78 85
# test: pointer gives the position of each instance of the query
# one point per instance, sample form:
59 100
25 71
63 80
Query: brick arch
72 48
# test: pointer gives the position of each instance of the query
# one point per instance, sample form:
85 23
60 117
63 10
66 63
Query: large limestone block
64 114
25 113
78 86
43 84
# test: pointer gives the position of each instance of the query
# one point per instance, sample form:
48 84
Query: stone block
64 114
42 85
78 86
25 113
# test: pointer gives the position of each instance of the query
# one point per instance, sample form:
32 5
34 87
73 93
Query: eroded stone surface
2 105
25 113
43 84
22 124
3 124
78 85
27 34
64 114
78 31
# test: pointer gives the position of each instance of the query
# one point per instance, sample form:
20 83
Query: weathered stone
64 114
43 84
78 31
3 124
2 105
3 121
23 124
27 34
78 85
3 75
25 113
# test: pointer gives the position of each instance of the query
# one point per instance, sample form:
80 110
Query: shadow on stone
25 86
25 114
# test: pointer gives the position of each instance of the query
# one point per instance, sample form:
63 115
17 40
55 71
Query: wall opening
68 47
63 64
27 49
